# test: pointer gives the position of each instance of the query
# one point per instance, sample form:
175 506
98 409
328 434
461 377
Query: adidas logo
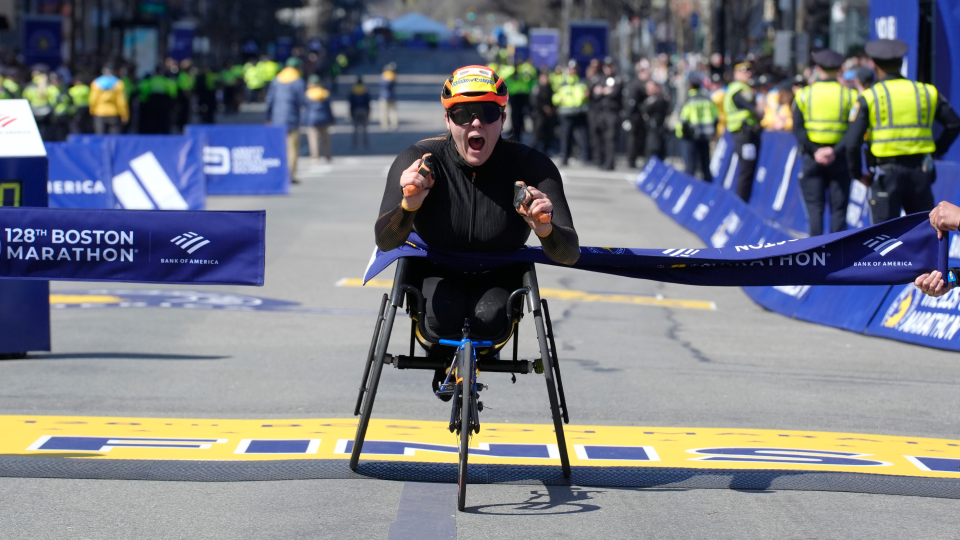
680 252
190 241
147 186
883 244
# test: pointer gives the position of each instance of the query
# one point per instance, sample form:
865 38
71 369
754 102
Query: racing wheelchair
472 355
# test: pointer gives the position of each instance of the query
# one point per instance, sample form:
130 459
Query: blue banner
42 39
284 49
588 40
906 314
162 172
899 312
134 246
720 162
181 44
243 159
947 55
776 190
898 19
79 175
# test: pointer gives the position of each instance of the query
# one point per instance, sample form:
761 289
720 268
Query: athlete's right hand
415 187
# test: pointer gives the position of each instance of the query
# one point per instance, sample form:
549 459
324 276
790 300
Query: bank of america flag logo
680 252
883 244
6 120
147 187
190 241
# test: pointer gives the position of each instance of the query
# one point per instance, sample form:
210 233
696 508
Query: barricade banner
154 172
947 188
776 191
899 312
133 246
849 308
243 160
906 314
79 175
720 161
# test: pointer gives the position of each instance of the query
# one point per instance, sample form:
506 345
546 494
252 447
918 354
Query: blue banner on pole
544 47
284 49
144 247
897 19
588 40
243 160
181 44
79 175
42 39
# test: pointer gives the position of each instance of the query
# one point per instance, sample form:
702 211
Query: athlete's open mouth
476 142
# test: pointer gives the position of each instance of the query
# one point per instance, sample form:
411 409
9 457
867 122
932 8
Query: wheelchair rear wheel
465 372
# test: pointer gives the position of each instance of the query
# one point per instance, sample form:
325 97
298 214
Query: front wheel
464 372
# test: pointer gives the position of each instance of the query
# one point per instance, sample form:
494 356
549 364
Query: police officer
80 120
571 102
697 127
820 115
608 92
743 118
634 95
899 115
520 79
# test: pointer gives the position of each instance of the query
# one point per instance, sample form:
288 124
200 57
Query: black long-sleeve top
471 208
852 141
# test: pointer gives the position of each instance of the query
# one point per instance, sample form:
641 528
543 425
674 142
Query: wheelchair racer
467 204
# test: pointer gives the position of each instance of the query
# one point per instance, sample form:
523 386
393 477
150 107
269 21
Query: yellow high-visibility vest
825 107
736 117
901 117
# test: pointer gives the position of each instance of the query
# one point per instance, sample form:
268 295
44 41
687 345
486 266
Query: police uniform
609 104
897 116
742 123
571 102
697 127
634 94
820 115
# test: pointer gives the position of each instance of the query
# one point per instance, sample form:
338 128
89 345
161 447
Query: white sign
19 136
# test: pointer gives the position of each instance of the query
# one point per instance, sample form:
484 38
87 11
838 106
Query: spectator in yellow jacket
108 104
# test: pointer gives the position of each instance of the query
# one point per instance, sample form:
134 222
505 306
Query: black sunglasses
463 114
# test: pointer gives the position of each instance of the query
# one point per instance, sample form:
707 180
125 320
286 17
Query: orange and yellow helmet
472 84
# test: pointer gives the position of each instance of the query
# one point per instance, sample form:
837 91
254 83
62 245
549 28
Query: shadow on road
553 500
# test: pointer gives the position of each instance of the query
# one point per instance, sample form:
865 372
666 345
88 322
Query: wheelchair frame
377 357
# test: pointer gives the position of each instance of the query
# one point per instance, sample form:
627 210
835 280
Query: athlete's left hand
539 213
932 284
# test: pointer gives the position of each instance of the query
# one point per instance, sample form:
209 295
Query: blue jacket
285 99
359 100
316 108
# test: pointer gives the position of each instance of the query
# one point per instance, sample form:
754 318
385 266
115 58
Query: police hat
695 80
827 59
886 49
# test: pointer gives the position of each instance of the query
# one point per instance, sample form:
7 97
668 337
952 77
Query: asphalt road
737 366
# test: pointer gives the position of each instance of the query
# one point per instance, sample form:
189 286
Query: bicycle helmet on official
471 84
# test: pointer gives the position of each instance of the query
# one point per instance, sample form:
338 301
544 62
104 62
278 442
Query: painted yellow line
84 299
573 296
515 444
